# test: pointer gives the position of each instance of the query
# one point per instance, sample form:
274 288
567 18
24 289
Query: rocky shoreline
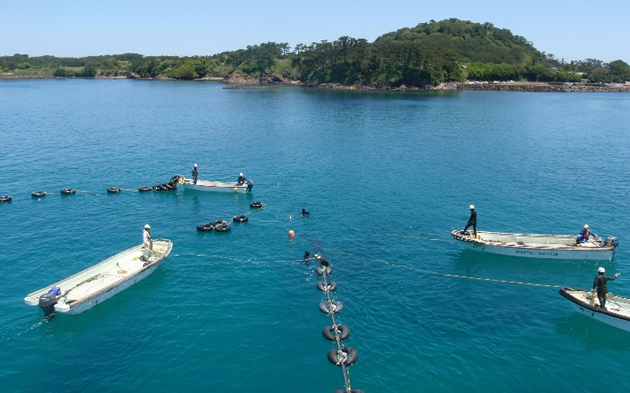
546 87
237 80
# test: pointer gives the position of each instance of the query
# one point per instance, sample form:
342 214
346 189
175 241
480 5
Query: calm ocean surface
386 177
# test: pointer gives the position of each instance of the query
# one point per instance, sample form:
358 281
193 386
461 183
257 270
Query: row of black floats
340 356
224 226
168 186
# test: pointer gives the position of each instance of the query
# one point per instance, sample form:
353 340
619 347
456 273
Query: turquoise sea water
386 177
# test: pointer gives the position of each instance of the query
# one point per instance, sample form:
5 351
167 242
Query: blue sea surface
386 177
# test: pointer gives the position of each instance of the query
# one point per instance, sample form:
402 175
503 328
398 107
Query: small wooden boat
616 313
532 245
98 283
211 185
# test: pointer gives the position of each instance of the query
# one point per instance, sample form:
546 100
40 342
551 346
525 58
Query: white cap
585 226
472 207
195 164
601 270
147 226
240 174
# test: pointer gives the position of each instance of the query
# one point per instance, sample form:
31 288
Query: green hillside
473 42
417 57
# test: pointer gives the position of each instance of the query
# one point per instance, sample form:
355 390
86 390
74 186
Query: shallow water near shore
386 177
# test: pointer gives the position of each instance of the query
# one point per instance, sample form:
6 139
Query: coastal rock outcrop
543 87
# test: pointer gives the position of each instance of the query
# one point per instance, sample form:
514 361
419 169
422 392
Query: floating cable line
237 259
417 237
384 262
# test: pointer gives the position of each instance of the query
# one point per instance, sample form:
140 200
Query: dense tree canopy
431 53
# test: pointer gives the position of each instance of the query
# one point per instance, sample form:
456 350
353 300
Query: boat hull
534 246
94 285
616 314
213 186
66 309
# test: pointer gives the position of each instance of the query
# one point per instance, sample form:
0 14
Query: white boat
211 185
98 283
616 313
532 245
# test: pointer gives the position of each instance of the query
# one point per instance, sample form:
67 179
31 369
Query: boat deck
618 306
103 279
533 245
210 183
525 240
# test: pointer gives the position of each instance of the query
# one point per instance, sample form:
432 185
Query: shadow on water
472 260
196 205
593 334
314 243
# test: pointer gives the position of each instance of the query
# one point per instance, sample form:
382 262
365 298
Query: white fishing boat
211 185
616 313
532 245
98 283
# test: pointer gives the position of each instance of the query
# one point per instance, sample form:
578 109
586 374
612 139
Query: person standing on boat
585 234
147 241
602 289
195 174
472 221
241 179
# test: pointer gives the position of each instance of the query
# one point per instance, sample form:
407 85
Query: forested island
461 53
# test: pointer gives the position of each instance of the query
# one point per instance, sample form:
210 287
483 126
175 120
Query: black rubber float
348 358
342 331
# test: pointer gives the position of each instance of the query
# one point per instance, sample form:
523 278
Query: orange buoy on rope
291 234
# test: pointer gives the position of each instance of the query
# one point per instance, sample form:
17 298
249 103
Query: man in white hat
241 179
602 289
147 241
195 173
585 234
472 221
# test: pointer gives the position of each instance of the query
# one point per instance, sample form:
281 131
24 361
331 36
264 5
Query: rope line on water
238 260
384 262
248 213
416 237
468 277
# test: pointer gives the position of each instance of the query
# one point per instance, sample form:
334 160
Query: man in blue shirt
585 234
472 221
195 174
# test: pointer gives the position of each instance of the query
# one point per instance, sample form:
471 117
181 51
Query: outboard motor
250 185
47 303
612 241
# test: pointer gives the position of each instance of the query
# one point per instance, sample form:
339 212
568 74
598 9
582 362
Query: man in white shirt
147 241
